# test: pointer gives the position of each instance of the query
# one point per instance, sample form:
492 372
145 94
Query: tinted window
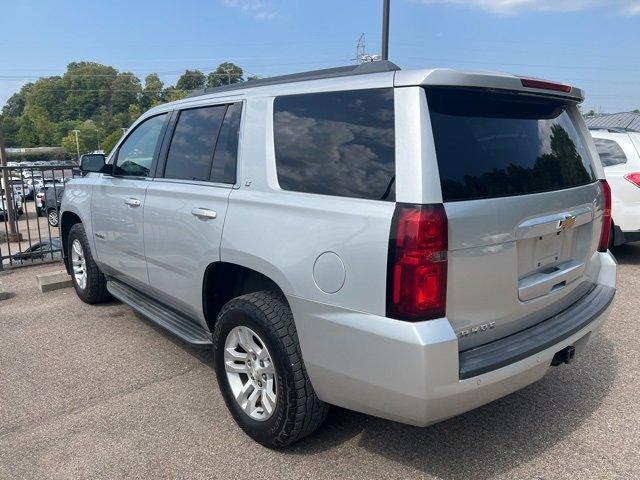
136 152
500 144
194 139
610 152
225 158
339 143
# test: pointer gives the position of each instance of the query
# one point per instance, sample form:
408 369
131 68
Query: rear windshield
503 144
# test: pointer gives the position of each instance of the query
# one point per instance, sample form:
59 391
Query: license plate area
547 249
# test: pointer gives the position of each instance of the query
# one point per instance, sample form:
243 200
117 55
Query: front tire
261 373
88 281
52 217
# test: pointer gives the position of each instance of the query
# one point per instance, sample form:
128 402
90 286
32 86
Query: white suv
619 151
408 244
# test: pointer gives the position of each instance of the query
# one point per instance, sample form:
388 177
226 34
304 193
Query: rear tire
88 281
297 411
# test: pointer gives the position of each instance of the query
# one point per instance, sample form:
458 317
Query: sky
593 44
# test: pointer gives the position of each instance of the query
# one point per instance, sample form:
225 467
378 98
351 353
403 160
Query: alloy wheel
79 264
250 373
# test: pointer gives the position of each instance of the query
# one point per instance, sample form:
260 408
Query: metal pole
77 143
14 236
385 29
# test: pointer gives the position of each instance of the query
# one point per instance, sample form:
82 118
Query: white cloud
512 7
258 9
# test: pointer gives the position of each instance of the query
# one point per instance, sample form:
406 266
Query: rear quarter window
610 152
336 143
491 144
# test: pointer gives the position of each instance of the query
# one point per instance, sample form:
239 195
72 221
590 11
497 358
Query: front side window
336 143
135 155
194 139
610 152
495 144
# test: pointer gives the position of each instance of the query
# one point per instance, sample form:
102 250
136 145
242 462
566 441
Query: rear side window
502 144
225 158
610 152
194 139
337 143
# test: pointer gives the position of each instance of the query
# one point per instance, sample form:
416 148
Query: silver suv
408 244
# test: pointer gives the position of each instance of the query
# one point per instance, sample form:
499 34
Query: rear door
186 204
523 204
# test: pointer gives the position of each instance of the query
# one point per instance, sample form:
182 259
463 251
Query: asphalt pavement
100 392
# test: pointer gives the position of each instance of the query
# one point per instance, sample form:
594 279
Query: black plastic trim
508 350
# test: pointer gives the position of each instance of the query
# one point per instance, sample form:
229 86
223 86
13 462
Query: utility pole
14 235
361 55
385 29
77 143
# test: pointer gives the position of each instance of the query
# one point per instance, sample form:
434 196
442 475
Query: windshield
493 144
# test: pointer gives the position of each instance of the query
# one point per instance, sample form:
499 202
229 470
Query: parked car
619 151
52 201
17 204
407 244
45 249
21 188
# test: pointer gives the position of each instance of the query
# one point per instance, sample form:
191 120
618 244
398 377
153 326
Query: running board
177 324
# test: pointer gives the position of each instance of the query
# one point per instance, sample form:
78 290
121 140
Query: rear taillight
544 85
417 269
633 178
606 216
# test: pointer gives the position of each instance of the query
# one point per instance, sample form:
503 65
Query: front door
186 205
118 204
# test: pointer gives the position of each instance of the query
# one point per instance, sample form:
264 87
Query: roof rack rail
612 129
349 70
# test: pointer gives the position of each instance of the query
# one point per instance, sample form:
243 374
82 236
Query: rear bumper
411 372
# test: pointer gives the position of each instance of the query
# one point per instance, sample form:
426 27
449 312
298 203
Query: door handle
204 213
132 202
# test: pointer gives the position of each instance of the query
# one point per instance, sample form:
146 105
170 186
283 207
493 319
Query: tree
125 91
152 91
10 127
16 103
171 94
191 80
88 86
226 74
69 144
48 94
110 141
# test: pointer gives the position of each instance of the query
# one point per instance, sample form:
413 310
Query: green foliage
226 74
110 141
191 80
152 93
97 100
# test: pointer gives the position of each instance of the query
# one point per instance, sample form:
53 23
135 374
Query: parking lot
100 392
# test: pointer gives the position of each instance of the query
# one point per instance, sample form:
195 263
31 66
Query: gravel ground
100 392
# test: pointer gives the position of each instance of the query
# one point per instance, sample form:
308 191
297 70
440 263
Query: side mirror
93 163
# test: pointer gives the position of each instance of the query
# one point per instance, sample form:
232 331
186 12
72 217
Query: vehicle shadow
628 254
492 439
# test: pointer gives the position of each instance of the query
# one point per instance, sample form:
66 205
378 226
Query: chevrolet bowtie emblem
568 222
